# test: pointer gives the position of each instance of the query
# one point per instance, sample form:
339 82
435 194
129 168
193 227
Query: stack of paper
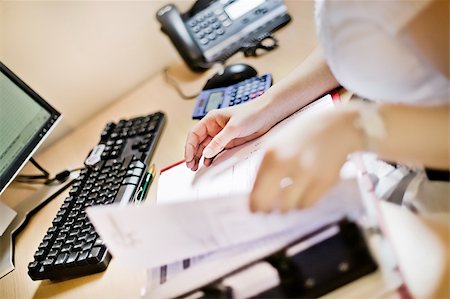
202 228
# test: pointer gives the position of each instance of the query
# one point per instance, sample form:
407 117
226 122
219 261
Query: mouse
230 75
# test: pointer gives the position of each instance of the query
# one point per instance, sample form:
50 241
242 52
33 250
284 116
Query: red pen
171 166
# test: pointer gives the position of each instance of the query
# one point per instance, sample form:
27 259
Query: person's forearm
306 83
414 135
417 135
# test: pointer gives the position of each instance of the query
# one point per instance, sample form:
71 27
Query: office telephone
212 31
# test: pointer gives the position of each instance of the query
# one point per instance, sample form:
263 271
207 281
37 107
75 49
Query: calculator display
214 101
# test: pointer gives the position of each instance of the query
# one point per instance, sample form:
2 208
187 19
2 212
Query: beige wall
82 55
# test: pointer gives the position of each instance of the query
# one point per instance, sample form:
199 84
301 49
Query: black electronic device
212 31
231 95
310 267
230 75
115 173
26 119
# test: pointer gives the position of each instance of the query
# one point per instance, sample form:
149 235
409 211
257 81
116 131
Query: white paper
155 235
176 280
207 225
232 172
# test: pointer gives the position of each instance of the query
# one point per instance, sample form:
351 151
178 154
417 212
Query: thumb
218 143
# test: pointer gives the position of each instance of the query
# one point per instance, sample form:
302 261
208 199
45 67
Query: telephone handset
212 31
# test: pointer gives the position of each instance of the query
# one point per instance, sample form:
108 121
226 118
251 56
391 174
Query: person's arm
232 126
415 135
311 79
305 84
312 159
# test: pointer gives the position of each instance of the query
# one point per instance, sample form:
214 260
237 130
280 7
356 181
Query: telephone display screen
241 7
214 101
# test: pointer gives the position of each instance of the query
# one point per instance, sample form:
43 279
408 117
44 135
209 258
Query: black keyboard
115 173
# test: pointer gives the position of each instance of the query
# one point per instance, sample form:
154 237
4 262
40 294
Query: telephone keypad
208 26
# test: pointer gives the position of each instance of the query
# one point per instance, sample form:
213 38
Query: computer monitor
26 120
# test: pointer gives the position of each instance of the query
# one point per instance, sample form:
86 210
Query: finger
208 161
201 147
233 143
208 126
291 195
219 141
190 164
266 188
195 137
312 195
242 140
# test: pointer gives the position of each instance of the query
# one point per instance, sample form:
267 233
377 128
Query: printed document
202 218
233 171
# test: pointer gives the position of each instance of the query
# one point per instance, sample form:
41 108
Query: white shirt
365 54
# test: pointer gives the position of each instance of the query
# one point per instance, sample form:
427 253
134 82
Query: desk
296 41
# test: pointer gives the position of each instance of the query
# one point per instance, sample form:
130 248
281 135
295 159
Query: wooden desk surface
297 40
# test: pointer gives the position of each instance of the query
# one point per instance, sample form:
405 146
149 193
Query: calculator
232 95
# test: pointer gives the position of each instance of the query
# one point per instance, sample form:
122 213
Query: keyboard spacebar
125 194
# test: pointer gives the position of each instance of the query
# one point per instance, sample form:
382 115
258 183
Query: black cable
45 174
46 180
171 81
36 164
266 42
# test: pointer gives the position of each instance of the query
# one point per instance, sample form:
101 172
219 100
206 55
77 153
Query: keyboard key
71 260
48 264
96 254
82 258
60 260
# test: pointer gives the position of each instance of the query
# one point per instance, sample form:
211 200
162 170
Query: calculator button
204 41
192 22
196 29
216 25
212 36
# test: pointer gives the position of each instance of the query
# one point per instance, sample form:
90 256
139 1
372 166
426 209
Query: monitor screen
25 121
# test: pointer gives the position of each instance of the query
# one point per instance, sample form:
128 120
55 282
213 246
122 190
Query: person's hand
226 128
304 161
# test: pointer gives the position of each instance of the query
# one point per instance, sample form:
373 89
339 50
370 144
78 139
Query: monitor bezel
38 138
